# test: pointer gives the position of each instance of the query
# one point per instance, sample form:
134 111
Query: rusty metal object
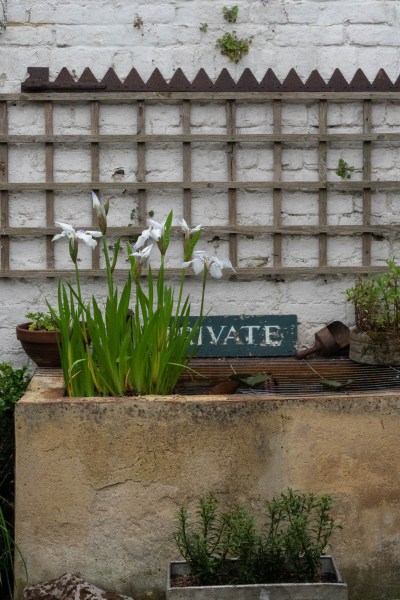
38 81
329 340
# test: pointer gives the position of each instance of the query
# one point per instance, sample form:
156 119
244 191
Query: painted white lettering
272 335
214 339
250 328
232 335
200 340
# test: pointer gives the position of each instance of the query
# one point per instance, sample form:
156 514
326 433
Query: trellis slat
322 193
141 163
232 195
95 170
366 240
49 166
277 189
187 163
4 204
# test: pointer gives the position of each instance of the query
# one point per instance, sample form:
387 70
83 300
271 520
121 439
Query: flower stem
108 267
78 283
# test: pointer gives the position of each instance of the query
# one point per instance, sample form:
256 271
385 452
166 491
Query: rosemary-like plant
204 544
296 531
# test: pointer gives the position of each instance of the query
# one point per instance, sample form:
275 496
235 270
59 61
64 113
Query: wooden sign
236 335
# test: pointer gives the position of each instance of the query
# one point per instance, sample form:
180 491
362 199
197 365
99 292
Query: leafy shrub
288 546
13 383
376 300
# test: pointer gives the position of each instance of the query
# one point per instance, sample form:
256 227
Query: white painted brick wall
304 34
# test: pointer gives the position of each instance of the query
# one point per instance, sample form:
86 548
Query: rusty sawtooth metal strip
38 81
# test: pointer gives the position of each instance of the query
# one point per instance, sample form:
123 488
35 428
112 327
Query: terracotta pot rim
39 336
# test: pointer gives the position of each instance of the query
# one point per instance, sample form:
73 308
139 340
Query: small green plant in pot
40 339
41 321
376 300
233 549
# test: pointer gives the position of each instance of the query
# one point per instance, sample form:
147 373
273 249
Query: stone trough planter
375 347
100 480
265 591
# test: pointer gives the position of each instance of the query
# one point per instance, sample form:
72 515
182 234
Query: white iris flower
213 264
69 232
186 229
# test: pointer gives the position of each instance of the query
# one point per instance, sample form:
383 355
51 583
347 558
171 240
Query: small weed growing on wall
233 47
344 170
3 15
203 27
138 23
230 13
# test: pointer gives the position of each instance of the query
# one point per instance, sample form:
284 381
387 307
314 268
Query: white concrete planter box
268 591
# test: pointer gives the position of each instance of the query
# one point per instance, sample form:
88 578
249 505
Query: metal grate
293 377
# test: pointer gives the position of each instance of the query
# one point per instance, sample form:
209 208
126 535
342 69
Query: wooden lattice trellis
277 140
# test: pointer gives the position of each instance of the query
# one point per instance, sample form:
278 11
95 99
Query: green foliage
13 383
6 558
230 13
377 300
303 529
205 543
296 530
233 47
203 27
40 321
74 349
115 350
244 544
7 547
344 170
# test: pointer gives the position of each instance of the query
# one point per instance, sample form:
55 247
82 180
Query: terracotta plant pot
41 345
375 347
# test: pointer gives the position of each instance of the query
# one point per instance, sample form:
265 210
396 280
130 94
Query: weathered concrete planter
374 348
100 480
269 591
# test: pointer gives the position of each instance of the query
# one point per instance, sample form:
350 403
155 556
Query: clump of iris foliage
139 341
13 383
